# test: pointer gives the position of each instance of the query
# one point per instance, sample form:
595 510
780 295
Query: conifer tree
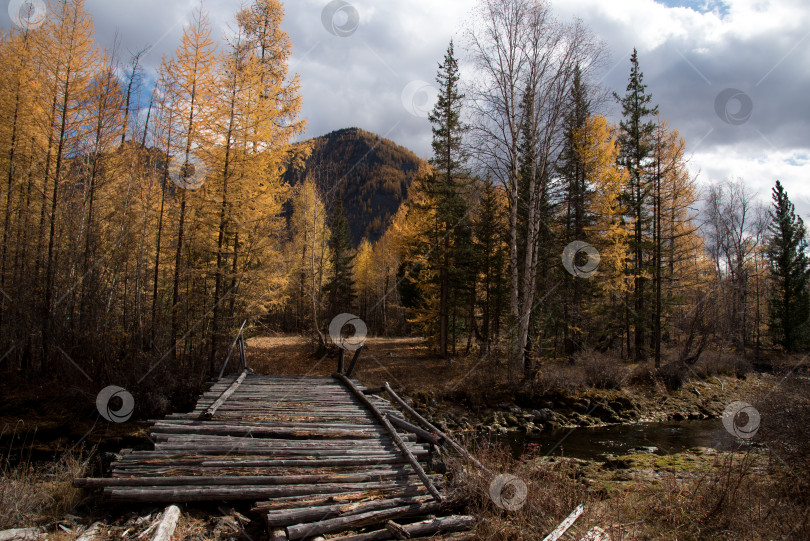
491 249
340 286
787 253
448 159
193 74
575 194
637 142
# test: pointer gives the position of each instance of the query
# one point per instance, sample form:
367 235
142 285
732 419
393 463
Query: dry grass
552 491
404 362
31 495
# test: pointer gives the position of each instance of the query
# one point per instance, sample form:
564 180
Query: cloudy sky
733 76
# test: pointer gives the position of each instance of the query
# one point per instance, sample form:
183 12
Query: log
341 498
91 532
560 530
392 431
167 525
249 492
269 462
184 480
405 425
453 523
20 534
228 392
300 515
396 530
427 424
300 531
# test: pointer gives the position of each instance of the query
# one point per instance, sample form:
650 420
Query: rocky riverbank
499 412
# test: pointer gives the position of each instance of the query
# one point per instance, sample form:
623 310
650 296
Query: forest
147 220
144 238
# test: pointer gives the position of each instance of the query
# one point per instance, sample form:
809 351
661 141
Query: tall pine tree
787 253
340 287
572 170
637 142
444 190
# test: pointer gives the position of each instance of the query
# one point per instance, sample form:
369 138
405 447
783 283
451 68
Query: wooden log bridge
314 455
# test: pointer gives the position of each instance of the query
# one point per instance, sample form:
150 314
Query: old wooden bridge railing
315 455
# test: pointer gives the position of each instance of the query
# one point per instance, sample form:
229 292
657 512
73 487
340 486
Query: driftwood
167 525
560 530
427 424
225 395
387 424
453 523
300 531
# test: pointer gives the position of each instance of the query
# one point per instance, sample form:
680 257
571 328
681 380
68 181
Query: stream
595 443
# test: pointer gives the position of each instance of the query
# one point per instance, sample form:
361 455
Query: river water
595 443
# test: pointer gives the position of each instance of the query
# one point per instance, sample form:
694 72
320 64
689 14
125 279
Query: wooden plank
227 393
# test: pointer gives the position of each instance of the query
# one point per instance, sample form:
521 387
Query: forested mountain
369 173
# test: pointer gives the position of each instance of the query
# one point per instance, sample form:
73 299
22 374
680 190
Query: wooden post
230 349
242 351
354 362
341 359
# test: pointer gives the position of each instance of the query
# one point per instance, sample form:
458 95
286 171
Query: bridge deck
307 451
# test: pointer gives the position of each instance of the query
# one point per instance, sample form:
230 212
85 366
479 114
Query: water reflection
594 443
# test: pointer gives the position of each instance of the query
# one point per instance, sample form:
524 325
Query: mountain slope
370 173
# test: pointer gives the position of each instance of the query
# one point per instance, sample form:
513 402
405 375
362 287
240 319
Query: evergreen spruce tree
637 143
490 247
575 217
790 303
340 287
443 189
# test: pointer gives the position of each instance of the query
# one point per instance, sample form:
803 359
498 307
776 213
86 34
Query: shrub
601 371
